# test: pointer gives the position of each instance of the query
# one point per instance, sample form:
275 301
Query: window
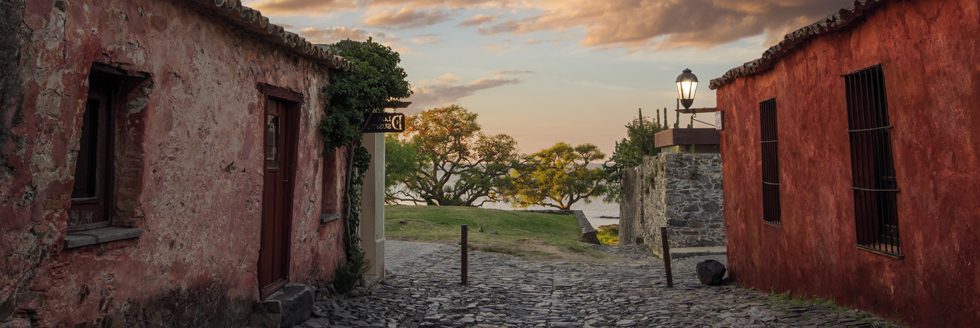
332 188
91 196
872 169
108 176
770 162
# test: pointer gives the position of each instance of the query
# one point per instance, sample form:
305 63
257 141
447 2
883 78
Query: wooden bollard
464 253
666 253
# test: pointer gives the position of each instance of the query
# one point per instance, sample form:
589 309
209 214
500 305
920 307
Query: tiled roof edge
253 22
843 19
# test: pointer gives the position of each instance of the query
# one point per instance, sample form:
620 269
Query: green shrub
349 274
608 234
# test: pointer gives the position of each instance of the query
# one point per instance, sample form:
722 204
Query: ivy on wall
374 81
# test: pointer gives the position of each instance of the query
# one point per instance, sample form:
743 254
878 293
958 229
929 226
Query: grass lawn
509 232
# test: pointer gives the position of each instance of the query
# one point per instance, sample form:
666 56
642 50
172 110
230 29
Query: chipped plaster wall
190 165
928 51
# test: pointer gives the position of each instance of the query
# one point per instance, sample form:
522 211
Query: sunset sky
555 70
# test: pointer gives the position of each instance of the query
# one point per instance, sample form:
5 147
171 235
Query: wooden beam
698 110
677 137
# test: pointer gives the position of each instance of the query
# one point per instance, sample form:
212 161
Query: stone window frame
129 96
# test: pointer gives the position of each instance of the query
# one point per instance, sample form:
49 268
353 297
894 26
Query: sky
545 71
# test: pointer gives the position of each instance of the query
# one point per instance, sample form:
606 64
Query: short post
666 253
464 253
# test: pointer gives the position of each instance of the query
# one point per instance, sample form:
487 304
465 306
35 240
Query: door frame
293 103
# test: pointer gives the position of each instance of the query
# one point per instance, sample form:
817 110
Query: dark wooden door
274 252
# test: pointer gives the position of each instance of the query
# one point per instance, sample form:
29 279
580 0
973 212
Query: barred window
872 169
770 162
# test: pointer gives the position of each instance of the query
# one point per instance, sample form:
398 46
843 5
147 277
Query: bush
608 234
349 274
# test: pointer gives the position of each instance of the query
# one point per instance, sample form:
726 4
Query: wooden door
274 252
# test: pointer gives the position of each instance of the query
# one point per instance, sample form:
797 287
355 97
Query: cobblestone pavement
423 290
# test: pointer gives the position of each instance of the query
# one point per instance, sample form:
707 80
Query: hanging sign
385 123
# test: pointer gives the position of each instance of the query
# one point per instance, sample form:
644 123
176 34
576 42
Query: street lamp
687 86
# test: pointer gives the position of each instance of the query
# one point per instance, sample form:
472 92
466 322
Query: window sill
329 217
879 252
100 236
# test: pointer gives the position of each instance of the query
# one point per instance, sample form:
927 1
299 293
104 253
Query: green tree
400 163
373 81
629 151
457 165
558 177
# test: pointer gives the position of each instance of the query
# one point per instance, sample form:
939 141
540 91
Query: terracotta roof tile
254 22
845 18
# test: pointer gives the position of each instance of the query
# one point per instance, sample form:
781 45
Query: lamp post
687 87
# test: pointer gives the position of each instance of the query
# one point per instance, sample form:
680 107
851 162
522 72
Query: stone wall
680 191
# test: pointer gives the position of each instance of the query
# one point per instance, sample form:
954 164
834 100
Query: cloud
302 7
497 48
667 23
426 39
631 24
477 20
446 90
333 34
406 18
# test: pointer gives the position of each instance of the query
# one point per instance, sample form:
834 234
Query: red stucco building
851 154
160 162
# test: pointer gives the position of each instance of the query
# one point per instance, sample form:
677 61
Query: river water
599 213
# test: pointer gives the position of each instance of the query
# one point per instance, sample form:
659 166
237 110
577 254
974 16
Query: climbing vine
374 80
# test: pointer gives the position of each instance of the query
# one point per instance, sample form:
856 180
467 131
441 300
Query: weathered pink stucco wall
189 167
929 53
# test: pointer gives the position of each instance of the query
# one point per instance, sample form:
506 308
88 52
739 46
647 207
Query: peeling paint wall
928 50
189 165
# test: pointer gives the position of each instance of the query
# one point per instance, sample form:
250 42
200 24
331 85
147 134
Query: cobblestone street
626 290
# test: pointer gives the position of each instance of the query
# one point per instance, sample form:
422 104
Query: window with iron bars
872 169
770 162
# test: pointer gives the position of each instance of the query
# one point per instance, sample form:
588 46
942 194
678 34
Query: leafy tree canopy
374 81
400 163
630 151
456 165
558 177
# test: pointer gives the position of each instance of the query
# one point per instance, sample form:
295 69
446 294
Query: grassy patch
786 299
608 234
507 232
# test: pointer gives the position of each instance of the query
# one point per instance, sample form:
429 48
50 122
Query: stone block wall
680 191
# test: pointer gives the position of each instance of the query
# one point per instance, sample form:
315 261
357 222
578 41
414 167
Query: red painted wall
931 58
191 171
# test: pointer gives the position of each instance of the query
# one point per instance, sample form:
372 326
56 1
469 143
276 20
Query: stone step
682 252
288 307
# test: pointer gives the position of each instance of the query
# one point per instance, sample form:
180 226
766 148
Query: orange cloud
667 23
605 23
334 34
308 7
477 20
445 90
406 18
